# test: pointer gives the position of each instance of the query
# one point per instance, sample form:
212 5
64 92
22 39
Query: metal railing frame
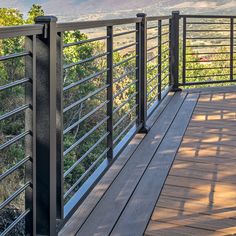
44 67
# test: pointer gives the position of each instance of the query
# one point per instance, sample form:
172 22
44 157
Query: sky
50 6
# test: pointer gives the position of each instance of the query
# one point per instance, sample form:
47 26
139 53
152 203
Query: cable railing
73 95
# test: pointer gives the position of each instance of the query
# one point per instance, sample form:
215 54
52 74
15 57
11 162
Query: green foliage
36 10
10 17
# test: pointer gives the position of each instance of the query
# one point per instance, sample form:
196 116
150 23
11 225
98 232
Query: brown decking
198 133
199 195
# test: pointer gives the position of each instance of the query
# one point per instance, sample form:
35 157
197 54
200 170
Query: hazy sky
50 6
73 9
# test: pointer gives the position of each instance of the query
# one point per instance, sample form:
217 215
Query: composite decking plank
222 176
195 220
194 206
216 160
219 132
166 229
142 202
204 195
205 184
210 90
201 166
85 209
104 215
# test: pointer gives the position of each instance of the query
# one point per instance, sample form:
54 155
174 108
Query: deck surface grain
199 195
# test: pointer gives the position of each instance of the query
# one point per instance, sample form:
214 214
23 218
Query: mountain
93 9
157 5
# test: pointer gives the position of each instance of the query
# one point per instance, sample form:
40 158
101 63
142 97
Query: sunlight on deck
199 196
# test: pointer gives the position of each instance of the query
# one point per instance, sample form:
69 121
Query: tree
35 10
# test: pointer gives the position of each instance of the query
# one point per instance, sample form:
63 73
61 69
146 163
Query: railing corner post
174 51
143 73
46 145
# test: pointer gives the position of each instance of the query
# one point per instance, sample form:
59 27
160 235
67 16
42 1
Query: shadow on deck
179 179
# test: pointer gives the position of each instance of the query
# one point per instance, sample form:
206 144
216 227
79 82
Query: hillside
159 5
123 8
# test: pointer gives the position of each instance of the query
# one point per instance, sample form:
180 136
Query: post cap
45 19
141 15
175 12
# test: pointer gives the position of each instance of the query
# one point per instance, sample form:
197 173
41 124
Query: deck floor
179 179
199 196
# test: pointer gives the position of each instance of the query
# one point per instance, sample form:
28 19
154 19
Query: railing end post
45 19
46 127
141 15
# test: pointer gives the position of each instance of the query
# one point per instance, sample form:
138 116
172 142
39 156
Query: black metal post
174 51
159 58
232 48
46 148
110 91
184 50
30 140
138 86
170 24
143 73
59 128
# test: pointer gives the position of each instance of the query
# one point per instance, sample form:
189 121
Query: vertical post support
231 48
138 85
174 51
143 73
184 50
159 58
110 91
30 140
46 148
59 126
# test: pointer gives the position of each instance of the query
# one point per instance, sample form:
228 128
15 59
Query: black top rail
26 30
208 16
81 25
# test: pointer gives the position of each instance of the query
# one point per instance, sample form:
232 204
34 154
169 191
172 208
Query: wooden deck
179 179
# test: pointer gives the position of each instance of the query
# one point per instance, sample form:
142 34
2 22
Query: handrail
80 25
207 16
25 30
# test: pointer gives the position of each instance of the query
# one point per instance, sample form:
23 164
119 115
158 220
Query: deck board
199 196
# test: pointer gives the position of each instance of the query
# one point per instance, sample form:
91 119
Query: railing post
231 48
138 52
46 149
174 51
143 73
30 168
159 58
110 91
59 126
